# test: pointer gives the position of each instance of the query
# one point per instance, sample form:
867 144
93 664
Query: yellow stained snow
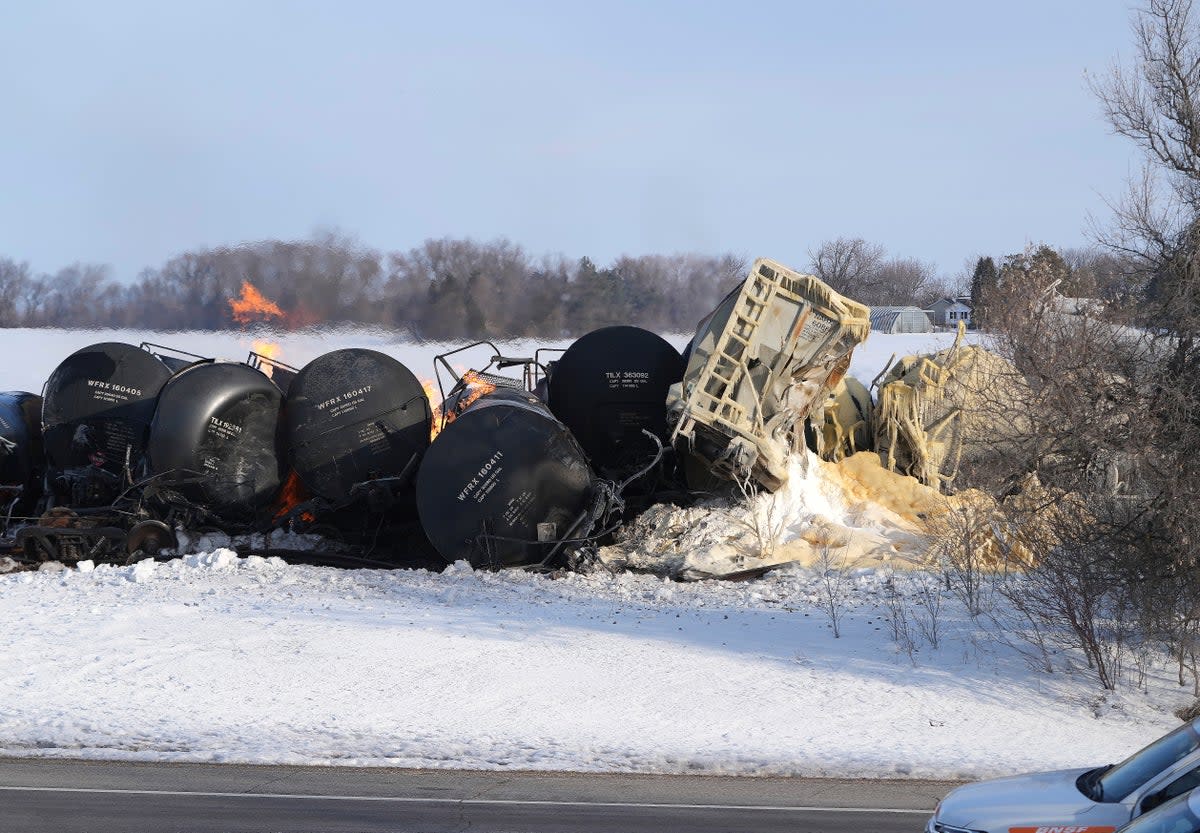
883 517
936 411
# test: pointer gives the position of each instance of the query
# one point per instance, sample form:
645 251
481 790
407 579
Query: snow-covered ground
216 658
213 657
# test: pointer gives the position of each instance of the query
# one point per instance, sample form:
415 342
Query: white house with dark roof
947 312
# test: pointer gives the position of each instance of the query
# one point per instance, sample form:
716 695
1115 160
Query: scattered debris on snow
852 513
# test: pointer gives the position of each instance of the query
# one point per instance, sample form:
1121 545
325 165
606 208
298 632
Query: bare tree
1154 103
899 619
14 282
937 287
907 281
1095 272
862 271
835 583
963 547
850 266
928 612
1075 589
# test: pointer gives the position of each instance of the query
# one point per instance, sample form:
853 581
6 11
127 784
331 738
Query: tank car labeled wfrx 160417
355 425
357 421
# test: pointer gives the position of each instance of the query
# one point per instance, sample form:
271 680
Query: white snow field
217 658
212 657
34 353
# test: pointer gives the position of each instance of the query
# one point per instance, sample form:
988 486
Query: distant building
1074 306
900 320
947 312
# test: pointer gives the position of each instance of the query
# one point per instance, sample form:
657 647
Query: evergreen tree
983 283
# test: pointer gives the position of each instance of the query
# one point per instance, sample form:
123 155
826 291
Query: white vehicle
1180 815
1099 800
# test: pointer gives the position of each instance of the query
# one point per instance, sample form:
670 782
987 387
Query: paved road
45 796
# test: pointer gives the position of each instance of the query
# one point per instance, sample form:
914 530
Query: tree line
460 288
446 288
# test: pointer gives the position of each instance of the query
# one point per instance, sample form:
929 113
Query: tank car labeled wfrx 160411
505 484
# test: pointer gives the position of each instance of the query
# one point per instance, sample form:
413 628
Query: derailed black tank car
98 404
609 387
21 456
352 417
215 434
503 483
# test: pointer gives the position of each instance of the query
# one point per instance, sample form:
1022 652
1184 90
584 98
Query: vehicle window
1140 767
1184 783
1173 817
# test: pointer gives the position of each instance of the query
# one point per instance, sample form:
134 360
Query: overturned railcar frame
759 364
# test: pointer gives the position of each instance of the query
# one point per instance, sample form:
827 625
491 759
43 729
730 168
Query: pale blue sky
132 131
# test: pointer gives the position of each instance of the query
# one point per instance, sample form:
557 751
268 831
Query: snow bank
218 658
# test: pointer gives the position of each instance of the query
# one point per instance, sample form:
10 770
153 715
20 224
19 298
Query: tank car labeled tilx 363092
610 388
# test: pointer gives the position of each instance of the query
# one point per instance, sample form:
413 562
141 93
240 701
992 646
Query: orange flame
253 306
291 495
476 386
268 350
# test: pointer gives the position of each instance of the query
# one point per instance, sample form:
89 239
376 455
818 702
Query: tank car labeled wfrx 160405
134 450
98 404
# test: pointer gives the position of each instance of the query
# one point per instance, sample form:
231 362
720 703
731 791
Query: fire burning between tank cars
523 461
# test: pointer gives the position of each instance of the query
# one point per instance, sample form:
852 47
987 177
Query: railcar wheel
150 538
